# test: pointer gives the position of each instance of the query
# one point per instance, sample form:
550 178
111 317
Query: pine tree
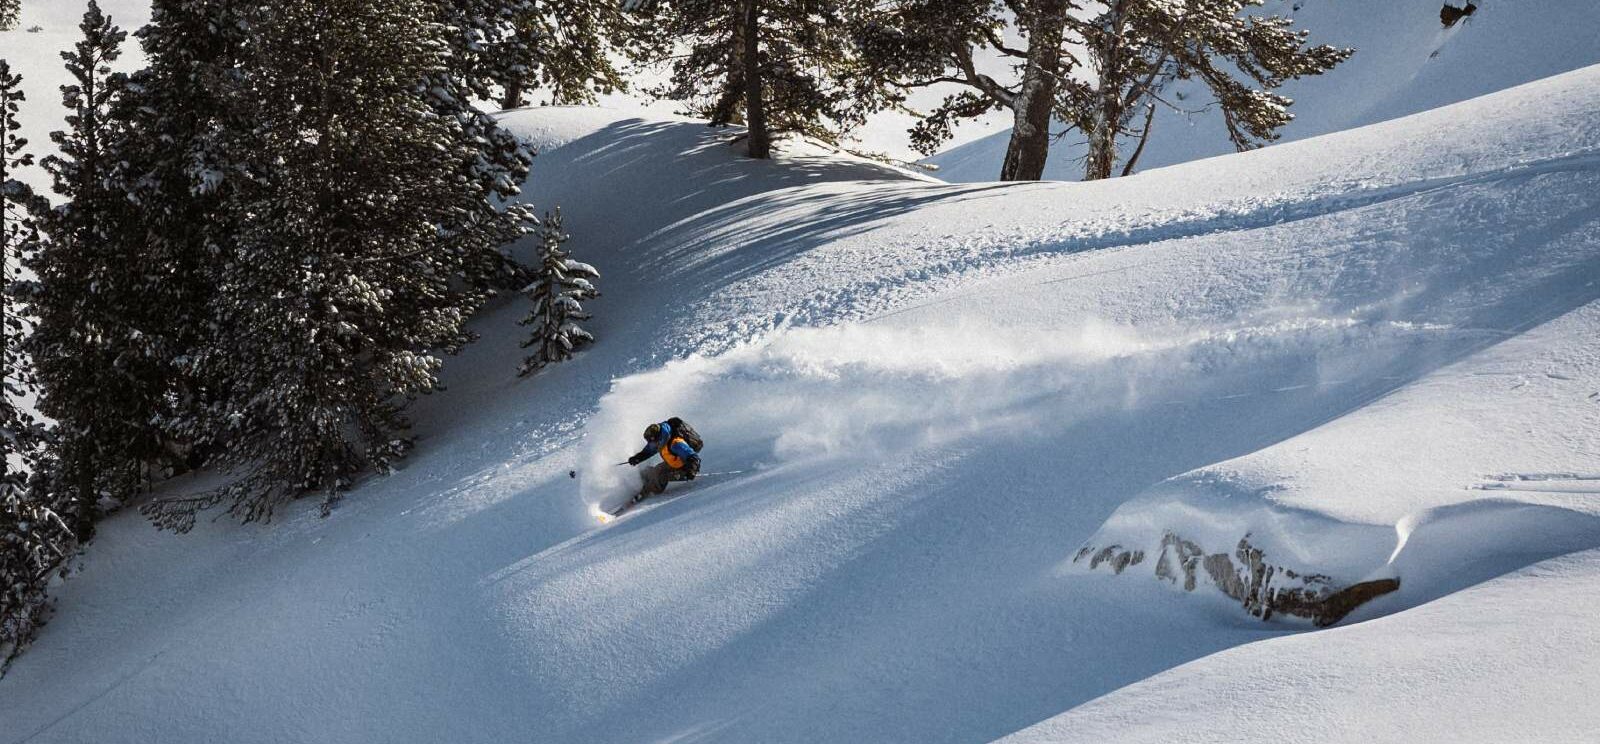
10 10
1136 46
476 35
776 66
1095 67
557 291
565 48
96 378
174 117
916 44
34 540
359 247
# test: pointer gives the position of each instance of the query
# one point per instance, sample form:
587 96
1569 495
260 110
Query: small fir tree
10 10
557 293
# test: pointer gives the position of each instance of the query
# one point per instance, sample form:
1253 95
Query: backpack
681 428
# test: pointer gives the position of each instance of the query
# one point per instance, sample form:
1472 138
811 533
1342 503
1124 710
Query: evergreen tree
34 540
91 359
776 66
916 44
10 10
358 251
485 51
176 186
1131 48
565 48
477 34
557 291
1136 46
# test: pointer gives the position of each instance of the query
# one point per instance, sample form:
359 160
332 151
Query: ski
612 515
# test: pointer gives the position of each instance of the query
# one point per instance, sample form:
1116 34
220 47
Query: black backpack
681 428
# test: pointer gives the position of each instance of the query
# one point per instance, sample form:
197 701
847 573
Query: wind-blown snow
1372 352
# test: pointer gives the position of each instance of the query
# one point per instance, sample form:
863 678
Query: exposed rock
1118 558
1123 560
1178 556
1248 578
1449 14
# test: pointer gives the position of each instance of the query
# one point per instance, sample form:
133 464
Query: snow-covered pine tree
558 289
501 49
562 48
354 227
96 381
915 44
176 186
485 50
34 539
476 33
10 11
1136 46
775 66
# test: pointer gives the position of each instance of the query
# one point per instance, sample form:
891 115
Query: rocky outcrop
1449 15
1113 556
1262 588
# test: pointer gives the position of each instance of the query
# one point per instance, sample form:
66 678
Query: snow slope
1444 484
1405 62
1371 351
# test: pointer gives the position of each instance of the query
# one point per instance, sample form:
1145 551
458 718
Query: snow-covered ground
964 428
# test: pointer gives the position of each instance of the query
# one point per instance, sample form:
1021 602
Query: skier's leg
689 470
655 479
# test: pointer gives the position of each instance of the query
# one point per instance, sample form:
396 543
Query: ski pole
574 473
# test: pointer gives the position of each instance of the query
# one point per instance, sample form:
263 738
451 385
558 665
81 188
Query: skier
679 447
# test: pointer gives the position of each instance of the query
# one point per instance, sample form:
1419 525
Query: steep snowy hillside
1406 61
1368 354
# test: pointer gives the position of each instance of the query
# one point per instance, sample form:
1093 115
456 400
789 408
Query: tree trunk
1102 144
5 304
1034 105
83 510
760 140
1102 157
1144 136
513 96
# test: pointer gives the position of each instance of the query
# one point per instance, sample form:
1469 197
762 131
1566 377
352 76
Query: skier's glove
691 468
636 459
